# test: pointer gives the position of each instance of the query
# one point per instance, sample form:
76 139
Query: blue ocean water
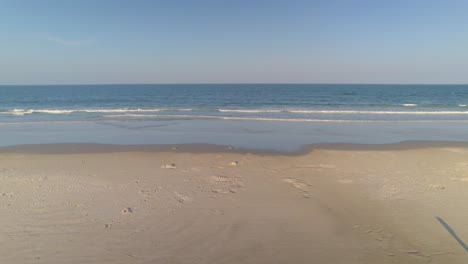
281 102
281 116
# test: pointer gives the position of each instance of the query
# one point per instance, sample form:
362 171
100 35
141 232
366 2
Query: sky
242 41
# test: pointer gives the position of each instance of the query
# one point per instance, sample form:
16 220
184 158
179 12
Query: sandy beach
233 132
189 204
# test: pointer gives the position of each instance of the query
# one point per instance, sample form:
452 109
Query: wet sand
402 203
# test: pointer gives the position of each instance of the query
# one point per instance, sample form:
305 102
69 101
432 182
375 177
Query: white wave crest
250 110
280 119
349 112
226 118
21 112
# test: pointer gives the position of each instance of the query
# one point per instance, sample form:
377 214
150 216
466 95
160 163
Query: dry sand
172 206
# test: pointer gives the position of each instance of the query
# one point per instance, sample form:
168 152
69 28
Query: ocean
267 116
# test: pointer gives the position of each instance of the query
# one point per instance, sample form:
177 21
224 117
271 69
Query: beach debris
412 251
169 166
108 226
437 186
174 148
232 190
233 163
127 210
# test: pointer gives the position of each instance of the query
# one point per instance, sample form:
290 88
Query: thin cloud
67 42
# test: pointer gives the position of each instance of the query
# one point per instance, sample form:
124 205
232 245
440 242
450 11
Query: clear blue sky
329 41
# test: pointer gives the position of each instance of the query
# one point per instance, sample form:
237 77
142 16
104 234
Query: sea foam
20 112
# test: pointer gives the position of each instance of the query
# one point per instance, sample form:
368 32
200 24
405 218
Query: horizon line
231 83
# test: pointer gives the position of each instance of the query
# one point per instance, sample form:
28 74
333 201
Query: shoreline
90 148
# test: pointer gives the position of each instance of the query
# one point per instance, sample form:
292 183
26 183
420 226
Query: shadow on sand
451 232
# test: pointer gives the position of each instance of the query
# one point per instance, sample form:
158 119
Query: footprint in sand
127 210
297 184
168 166
437 186
460 179
220 191
219 179
182 198
229 184
345 181
149 192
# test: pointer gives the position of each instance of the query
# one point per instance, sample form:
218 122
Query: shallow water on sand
246 134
